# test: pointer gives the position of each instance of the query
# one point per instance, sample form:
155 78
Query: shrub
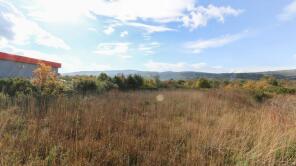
103 86
85 86
232 85
104 77
203 84
260 95
215 84
46 81
287 154
170 84
15 86
281 90
149 84
3 99
256 85
139 81
131 82
270 80
120 81
181 84
134 82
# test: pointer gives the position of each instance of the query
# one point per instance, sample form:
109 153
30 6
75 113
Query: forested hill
284 74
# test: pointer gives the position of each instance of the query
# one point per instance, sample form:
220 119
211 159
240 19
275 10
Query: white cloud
161 66
16 28
46 39
147 36
124 34
182 66
77 65
139 12
109 30
150 28
289 12
131 10
113 49
198 65
124 49
92 29
200 45
148 49
200 16
111 27
251 69
3 43
125 10
70 63
60 10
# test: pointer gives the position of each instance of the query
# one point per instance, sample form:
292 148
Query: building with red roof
21 66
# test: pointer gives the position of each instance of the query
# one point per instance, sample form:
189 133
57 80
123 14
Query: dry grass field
179 127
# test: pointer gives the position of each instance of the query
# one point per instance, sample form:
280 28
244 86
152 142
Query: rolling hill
186 75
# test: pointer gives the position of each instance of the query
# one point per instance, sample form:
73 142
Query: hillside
187 75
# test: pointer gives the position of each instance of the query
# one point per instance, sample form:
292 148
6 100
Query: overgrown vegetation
188 127
47 83
131 120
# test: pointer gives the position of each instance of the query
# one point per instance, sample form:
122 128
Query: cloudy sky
155 35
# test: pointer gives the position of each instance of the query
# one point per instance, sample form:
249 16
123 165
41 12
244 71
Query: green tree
104 82
85 86
157 81
139 81
104 77
120 81
131 82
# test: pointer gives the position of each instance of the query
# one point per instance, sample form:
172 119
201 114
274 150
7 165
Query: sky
153 35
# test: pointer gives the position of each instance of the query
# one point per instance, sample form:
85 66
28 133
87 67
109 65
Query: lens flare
159 98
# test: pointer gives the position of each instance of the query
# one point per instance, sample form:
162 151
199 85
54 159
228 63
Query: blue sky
155 35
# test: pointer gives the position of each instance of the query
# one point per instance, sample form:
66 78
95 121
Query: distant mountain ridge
187 75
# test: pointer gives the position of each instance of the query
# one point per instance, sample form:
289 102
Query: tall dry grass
187 127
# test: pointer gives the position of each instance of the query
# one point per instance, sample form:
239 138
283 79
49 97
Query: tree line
47 83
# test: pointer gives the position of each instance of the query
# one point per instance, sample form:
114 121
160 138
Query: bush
281 90
260 95
3 99
203 84
85 86
287 153
215 84
181 84
46 81
170 84
104 77
15 86
103 86
270 80
149 84
120 81
134 82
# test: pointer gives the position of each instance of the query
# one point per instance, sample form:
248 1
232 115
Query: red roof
22 59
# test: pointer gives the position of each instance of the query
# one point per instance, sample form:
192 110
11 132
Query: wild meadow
217 123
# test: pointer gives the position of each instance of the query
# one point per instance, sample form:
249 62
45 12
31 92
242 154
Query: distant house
20 66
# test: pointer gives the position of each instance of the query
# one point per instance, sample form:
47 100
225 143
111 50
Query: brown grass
188 127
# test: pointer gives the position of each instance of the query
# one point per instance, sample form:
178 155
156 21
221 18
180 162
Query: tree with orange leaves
46 80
